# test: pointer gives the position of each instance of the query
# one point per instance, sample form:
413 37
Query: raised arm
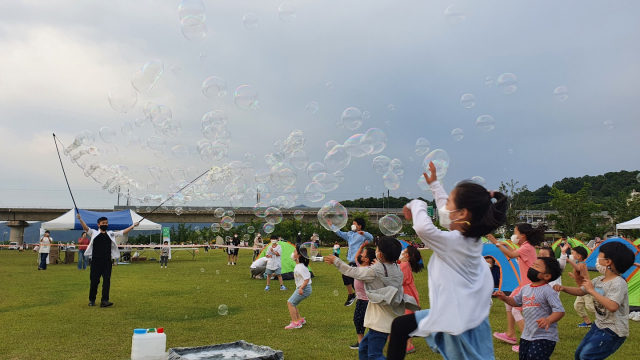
360 250
428 233
126 231
511 254
364 273
84 226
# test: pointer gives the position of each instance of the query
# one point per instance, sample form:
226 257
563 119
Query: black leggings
400 329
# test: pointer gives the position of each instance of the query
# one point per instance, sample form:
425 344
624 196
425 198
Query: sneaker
410 350
293 325
282 287
350 300
302 321
228 263
636 317
105 304
92 303
584 325
504 337
266 288
355 346
515 348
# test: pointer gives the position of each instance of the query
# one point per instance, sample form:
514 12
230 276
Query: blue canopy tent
509 270
118 220
591 260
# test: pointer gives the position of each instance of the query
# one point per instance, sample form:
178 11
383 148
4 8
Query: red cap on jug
160 330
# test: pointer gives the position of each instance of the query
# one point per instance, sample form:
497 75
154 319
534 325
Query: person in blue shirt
354 239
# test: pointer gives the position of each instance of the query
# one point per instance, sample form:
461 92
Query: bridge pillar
17 230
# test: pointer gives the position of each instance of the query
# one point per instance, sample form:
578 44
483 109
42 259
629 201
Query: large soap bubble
283 175
327 181
390 224
191 8
273 216
422 146
333 212
507 83
391 181
286 12
479 180
107 134
180 151
378 138
123 98
440 159
314 192
260 209
485 123
329 145
226 223
268 228
396 166
358 145
381 164
351 118
298 214
144 79
422 184
336 159
193 28
308 250
299 159
315 168
468 101
246 97
214 87
156 143
457 134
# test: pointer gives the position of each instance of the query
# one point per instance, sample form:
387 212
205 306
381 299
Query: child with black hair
164 255
364 257
549 253
542 309
383 285
527 237
409 264
458 274
302 277
611 301
583 304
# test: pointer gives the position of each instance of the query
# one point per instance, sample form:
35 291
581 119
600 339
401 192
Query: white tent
631 224
118 220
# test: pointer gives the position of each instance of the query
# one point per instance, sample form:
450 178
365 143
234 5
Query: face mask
104 227
353 228
445 221
292 256
601 268
274 241
514 239
490 266
532 275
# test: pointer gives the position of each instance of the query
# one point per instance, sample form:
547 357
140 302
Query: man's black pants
100 267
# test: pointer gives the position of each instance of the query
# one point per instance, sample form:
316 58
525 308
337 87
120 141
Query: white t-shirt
300 274
274 261
259 263
44 245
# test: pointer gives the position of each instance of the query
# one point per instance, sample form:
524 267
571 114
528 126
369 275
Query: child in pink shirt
409 264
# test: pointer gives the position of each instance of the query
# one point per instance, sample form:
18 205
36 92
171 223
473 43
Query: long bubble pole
64 173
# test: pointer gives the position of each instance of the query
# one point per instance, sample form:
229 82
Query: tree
576 212
518 199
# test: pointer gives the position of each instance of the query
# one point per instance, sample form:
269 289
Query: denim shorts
296 297
277 271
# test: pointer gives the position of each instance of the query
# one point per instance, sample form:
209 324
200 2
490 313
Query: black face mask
104 227
532 275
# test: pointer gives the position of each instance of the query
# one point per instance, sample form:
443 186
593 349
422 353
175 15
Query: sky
58 61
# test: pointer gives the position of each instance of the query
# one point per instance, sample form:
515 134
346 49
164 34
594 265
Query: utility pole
118 195
383 200
258 196
128 195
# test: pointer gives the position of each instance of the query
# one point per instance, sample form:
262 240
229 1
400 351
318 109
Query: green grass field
44 314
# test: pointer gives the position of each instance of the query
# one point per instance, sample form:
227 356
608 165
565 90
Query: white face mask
353 228
445 221
514 239
601 268
292 256
274 241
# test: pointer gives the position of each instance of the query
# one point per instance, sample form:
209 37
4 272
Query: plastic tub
148 344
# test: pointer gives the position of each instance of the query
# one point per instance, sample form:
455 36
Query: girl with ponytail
458 274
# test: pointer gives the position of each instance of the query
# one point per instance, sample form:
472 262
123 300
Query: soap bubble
333 212
179 210
111 150
223 310
260 209
507 83
250 21
180 151
251 229
315 168
422 184
422 146
329 145
286 12
381 164
144 79
479 180
378 138
329 86
339 176
351 118
246 97
298 214
391 107
308 250
608 124
440 159
245 237
299 159
391 181
390 224
334 160
468 101
292 191
88 138
358 146
156 143
510 151
176 69
191 8
485 123
457 134
126 129
193 28
214 87
226 223
219 212
123 98
396 166
107 134
273 216
561 93
283 175
203 57
153 184
488 81
336 293
327 181
314 192
311 108
388 123
230 214
454 15
133 143
268 228
368 188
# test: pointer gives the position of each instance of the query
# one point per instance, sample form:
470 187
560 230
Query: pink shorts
515 311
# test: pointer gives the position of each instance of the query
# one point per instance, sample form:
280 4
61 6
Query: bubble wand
55 141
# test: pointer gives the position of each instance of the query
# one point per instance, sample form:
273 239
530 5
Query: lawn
44 314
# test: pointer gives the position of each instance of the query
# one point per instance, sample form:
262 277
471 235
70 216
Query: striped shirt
538 302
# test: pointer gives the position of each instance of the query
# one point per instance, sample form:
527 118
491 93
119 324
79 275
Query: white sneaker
636 317
632 315
228 263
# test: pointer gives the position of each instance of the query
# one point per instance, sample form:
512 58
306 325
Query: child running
527 237
364 257
458 274
541 308
302 277
383 285
611 301
409 264
582 303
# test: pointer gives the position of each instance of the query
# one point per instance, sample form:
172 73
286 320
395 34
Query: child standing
582 303
383 285
409 264
336 249
549 253
611 301
364 257
458 274
542 310
302 277
164 256
274 264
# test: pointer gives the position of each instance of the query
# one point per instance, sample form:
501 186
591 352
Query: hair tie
491 194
